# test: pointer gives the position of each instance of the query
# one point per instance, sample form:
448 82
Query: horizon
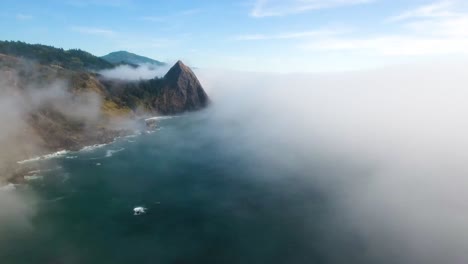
253 35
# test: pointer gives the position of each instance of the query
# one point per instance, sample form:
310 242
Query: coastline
29 165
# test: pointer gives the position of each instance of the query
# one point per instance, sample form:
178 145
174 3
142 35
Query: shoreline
27 166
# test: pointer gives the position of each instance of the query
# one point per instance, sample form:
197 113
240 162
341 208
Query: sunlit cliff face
20 98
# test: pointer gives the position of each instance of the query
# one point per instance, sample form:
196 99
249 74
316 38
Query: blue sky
252 35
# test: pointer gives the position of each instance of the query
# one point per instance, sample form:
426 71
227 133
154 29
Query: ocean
210 198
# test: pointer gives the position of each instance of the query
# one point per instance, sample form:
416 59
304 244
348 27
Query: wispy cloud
287 35
182 13
269 8
396 45
435 29
160 42
94 31
144 43
23 17
86 3
433 10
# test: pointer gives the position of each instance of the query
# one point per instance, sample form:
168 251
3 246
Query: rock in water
181 91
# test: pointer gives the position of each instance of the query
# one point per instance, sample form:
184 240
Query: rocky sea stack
181 91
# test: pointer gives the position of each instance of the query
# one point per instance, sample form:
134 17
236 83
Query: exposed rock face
177 92
181 91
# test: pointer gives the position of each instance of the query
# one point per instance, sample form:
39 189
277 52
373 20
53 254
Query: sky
250 35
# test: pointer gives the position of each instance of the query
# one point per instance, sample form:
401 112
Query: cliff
181 91
51 107
177 92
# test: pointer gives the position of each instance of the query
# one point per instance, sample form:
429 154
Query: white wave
55 199
133 135
71 157
160 118
111 152
33 177
57 154
93 147
44 170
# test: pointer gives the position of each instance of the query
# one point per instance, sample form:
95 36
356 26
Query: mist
390 144
386 146
141 72
19 140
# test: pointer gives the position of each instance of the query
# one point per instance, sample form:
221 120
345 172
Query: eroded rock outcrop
181 91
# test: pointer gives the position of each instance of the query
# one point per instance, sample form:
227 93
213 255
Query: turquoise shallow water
210 199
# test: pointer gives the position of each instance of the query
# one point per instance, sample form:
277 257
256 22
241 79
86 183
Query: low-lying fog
141 72
398 136
395 138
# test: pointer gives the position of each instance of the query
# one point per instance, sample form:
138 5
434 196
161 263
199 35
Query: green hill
125 57
74 59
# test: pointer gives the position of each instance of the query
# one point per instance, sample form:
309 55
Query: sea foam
111 152
57 154
93 147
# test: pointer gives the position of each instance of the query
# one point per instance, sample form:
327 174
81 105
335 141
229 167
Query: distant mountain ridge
125 57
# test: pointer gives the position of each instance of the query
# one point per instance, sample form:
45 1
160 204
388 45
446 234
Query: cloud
393 45
16 210
142 72
29 99
109 3
386 147
439 28
287 35
269 8
182 13
189 12
23 17
94 31
433 10
436 29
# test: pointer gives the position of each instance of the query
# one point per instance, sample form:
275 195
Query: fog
19 100
19 140
391 142
142 72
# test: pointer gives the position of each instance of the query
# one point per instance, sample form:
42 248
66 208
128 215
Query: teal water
210 199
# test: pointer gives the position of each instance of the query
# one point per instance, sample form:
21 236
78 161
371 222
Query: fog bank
392 142
141 72
19 100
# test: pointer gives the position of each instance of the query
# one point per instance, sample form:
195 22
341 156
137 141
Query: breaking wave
57 154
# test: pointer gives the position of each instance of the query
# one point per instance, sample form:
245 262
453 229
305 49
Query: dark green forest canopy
74 59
